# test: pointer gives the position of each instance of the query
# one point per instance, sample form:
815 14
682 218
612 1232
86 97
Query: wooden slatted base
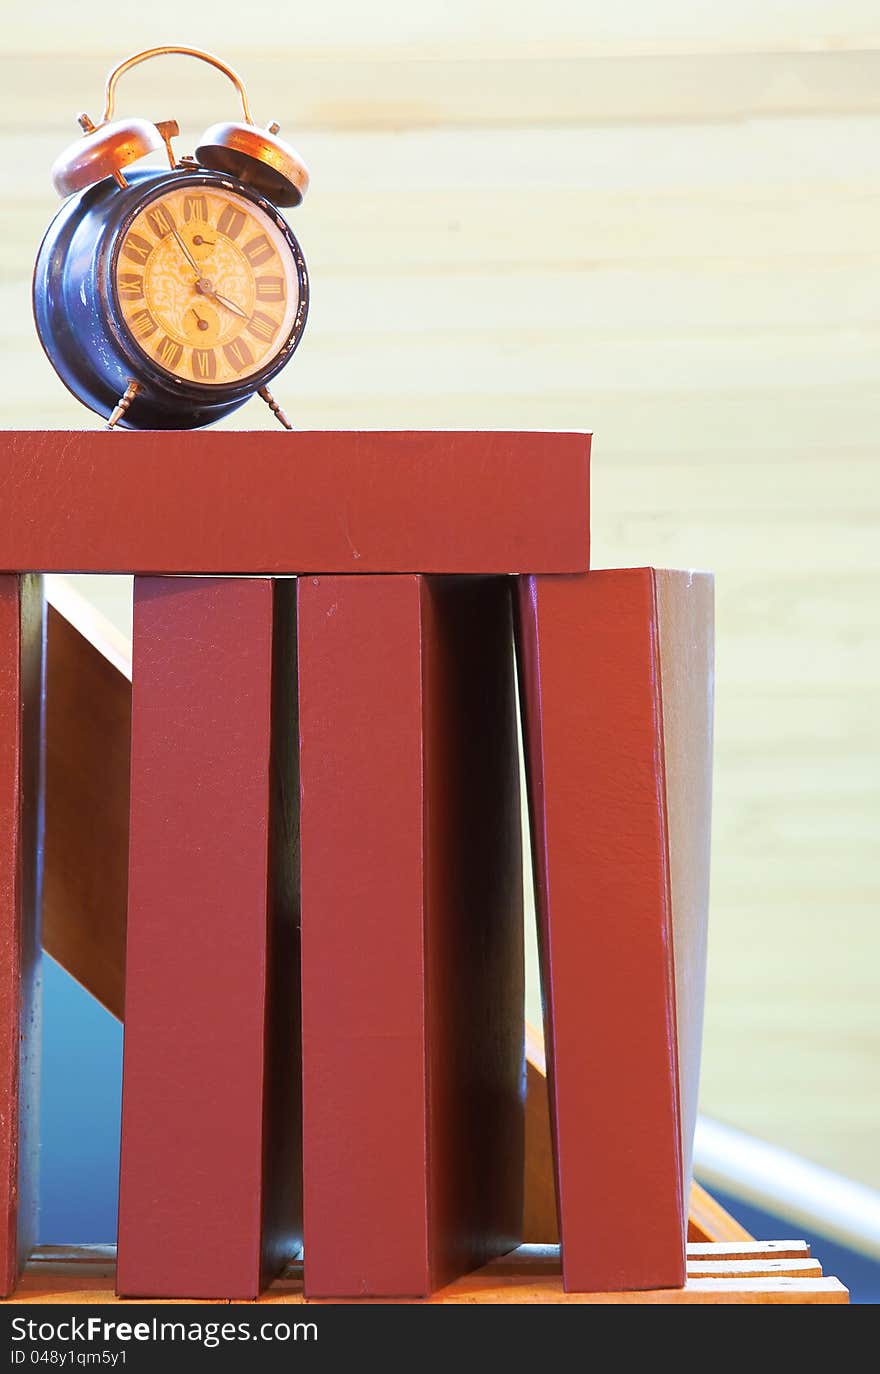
746 1272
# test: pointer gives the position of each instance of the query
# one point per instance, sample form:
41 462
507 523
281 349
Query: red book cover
21 614
342 501
412 934
210 1187
593 685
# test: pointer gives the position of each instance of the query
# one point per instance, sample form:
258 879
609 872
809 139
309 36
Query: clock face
207 285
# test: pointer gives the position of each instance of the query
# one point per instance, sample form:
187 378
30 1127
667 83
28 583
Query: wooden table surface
749 1273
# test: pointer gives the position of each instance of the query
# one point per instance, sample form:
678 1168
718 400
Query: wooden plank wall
658 222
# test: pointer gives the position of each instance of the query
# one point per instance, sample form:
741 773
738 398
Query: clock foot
122 405
275 408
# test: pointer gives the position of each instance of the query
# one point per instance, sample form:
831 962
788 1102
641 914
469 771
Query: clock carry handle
166 50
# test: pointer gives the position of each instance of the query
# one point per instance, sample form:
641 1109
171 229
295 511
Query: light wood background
659 222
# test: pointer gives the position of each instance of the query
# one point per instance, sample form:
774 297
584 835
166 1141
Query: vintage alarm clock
166 297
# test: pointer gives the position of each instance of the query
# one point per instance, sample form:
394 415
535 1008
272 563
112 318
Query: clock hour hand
230 305
205 287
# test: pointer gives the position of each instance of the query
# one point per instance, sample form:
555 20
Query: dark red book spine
210 1183
591 686
412 938
21 618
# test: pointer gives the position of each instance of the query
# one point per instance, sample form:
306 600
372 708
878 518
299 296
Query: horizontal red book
210 1198
326 501
20 808
411 932
617 686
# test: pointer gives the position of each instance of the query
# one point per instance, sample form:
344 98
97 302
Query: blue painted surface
860 1274
81 1098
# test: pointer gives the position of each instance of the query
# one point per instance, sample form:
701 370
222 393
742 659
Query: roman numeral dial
206 284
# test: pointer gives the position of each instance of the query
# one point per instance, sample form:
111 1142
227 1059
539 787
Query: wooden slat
709 1261
53 1262
748 1250
395 32
754 1269
709 1221
88 734
425 90
347 26
714 1291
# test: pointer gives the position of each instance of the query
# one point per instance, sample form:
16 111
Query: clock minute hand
186 253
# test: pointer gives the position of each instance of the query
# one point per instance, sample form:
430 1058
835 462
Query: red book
616 683
21 613
210 1185
326 501
412 932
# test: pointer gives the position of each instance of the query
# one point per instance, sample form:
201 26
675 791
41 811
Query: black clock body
82 327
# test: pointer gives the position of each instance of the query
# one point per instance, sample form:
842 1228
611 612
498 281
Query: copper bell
258 158
103 153
253 155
